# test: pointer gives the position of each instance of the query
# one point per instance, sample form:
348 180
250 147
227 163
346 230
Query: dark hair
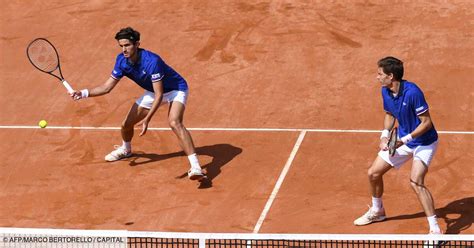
129 34
392 65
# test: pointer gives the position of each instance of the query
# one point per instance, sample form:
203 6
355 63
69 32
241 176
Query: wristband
84 93
385 133
407 138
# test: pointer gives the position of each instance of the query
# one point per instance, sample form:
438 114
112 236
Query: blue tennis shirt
406 107
149 69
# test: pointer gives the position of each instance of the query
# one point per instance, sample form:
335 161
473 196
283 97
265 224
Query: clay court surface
304 69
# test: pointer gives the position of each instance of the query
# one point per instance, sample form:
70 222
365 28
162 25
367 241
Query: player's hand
398 144
383 144
79 94
76 95
144 124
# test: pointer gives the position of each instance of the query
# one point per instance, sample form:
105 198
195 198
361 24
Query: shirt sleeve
418 102
157 71
117 72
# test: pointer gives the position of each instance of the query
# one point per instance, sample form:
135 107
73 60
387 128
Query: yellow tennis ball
43 123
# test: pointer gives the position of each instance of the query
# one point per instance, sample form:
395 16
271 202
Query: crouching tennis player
161 84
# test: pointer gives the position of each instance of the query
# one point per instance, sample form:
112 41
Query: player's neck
134 58
395 88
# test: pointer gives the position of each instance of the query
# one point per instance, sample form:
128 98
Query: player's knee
373 175
417 186
126 125
129 123
175 124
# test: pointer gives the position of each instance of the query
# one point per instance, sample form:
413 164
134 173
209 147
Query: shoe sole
197 177
377 220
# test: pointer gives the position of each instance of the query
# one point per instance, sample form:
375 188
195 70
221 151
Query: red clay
282 64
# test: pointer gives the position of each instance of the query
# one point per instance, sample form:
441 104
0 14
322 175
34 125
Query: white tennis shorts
404 153
147 99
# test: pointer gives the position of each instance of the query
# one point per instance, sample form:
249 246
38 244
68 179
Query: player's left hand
144 124
398 144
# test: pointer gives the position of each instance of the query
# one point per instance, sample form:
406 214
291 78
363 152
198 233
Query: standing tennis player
404 101
161 84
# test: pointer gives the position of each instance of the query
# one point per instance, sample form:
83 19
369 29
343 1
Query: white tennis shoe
195 174
119 153
370 217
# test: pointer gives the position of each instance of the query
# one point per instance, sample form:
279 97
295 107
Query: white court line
229 129
279 182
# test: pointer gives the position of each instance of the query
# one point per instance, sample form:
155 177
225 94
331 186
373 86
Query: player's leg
137 112
175 119
417 182
135 115
383 163
422 159
375 175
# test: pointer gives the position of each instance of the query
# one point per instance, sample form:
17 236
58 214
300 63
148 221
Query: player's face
383 78
129 49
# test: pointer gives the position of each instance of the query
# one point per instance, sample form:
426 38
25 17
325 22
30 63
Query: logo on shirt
404 104
156 76
144 72
420 109
115 72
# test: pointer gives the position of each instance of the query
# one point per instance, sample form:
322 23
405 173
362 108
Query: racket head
43 55
392 142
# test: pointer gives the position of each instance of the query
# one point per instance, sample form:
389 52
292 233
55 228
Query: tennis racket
392 141
44 57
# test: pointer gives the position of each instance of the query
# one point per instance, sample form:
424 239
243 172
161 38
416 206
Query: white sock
127 146
434 227
193 160
377 204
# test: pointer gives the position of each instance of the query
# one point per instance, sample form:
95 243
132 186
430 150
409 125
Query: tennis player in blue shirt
161 84
405 102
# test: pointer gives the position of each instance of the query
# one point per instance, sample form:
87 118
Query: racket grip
68 87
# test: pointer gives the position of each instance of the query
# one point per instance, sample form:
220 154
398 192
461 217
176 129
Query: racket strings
43 55
393 141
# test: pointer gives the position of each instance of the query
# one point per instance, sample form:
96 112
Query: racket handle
68 87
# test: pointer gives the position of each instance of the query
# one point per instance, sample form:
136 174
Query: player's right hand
76 95
383 144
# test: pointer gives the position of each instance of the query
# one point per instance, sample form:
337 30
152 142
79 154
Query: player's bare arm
388 125
103 89
158 89
425 125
